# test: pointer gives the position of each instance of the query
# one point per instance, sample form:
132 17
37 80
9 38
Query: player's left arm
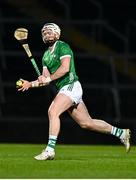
61 71
65 58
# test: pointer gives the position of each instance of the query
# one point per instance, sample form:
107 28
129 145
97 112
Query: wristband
34 84
48 79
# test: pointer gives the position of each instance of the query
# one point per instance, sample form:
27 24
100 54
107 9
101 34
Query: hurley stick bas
21 34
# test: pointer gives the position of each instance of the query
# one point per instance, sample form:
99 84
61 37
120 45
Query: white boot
126 139
45 155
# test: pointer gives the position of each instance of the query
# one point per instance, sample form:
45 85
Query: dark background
102 34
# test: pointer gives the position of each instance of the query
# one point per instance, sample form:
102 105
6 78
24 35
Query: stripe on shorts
70 87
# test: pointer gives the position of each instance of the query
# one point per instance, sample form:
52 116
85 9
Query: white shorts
74 91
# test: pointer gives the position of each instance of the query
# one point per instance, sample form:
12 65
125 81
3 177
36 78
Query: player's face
48 35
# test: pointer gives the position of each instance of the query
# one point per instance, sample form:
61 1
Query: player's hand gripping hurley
21 34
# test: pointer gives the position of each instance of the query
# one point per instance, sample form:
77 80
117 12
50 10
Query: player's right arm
32 84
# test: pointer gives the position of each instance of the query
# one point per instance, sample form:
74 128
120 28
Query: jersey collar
54 45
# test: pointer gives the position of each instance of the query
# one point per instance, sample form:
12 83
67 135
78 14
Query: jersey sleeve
43 62
65 51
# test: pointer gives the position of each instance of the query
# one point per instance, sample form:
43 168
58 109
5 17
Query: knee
87 125
84 125
52 113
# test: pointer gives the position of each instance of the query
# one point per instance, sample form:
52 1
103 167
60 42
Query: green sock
117 132
51 143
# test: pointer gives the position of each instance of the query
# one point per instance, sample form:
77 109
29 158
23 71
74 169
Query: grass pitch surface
72 161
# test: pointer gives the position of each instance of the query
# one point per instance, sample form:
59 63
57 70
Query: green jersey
52 59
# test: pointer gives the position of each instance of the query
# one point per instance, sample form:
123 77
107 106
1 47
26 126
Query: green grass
72 161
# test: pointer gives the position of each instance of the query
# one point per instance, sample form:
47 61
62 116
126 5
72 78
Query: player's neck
51 48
